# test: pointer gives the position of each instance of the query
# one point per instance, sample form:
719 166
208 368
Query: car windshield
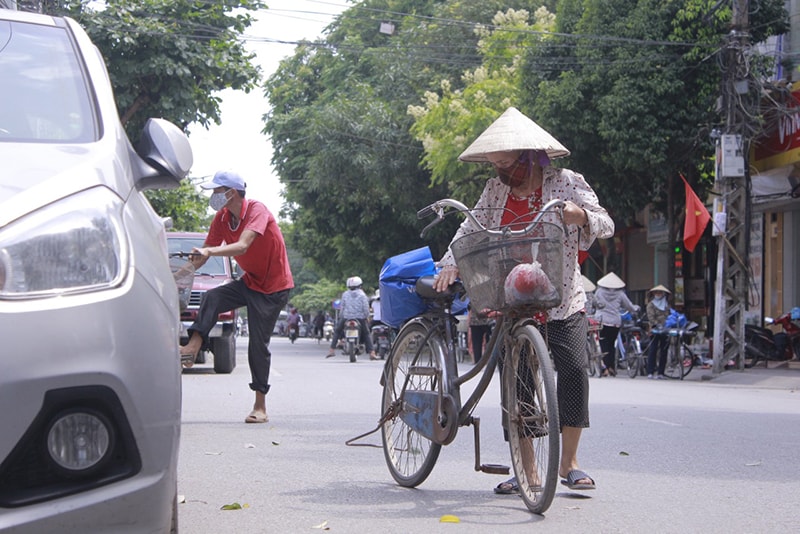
214 266
43 94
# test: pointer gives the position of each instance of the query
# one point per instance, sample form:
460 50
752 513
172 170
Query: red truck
217 270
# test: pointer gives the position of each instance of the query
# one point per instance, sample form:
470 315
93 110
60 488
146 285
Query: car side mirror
166 156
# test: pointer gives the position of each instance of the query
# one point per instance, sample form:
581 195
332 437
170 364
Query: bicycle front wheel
531 417
409 455
680 361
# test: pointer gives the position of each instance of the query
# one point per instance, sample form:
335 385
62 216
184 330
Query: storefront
775 213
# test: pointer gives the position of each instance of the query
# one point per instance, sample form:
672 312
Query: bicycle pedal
495 469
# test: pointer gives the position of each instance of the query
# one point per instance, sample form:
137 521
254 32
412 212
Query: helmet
353 282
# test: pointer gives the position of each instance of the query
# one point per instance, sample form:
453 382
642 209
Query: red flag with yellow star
697 218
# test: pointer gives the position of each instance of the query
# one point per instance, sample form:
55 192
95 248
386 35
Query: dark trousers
363 332
608 337
480 334
262 314
658 349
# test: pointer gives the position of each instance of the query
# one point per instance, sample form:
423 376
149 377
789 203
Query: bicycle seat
424 288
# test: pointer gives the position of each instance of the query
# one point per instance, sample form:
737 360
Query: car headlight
74 245
78 441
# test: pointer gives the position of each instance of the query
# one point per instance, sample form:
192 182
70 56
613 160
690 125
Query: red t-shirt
265 263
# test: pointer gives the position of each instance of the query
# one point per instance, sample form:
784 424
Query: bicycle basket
506 273
183 272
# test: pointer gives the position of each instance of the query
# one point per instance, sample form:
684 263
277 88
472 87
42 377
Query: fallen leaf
249 446
181 499
275 443
322 526
449 519
232 506
623 453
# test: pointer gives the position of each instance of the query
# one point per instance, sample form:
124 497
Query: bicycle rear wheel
531 417
409 455
635 358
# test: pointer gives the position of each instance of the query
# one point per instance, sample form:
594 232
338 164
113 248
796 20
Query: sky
237 143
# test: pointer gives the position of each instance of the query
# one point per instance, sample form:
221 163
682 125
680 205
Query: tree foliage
168 59
341 131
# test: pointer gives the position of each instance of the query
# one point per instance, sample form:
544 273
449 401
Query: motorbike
790 323
294 332
327 330
761 344
352 337
381 339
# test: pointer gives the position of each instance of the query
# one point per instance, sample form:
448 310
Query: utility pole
732 178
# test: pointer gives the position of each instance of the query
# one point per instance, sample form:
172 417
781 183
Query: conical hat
513 131
588 286
659 287
611 281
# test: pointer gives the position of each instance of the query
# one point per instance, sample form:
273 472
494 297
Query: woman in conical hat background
520 152
657 312
612 301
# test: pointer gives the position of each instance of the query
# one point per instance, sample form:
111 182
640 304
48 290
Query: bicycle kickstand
493 469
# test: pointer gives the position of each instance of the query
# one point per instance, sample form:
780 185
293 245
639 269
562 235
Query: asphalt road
715 456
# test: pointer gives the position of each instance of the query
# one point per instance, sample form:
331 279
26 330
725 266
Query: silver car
90 379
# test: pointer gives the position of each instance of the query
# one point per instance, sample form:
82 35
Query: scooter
761 344
381 339
790 322
327 330
352 337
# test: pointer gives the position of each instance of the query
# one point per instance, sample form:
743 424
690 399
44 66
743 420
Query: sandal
509 487
256 417
576 475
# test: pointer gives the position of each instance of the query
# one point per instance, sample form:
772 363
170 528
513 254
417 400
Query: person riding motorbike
355 305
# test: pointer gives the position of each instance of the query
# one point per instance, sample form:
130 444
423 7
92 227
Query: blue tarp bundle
399 301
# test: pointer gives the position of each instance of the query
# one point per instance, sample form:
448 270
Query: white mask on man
218 200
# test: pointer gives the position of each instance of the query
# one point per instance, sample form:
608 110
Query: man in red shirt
245 229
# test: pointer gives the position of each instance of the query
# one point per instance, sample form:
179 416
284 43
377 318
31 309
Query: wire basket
507 273
183 272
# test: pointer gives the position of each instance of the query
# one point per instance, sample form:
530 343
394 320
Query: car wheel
224 349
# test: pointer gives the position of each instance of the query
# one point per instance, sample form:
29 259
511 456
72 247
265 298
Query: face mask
660 302
218 200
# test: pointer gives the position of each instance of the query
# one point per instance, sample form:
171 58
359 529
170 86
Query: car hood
35 174
207 282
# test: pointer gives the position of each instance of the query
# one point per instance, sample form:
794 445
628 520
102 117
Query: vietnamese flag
697 218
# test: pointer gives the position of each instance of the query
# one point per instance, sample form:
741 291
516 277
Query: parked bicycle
594 354
422 404
680 357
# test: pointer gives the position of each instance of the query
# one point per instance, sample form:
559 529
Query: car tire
224 349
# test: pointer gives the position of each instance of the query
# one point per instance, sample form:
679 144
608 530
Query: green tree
168 58
341 132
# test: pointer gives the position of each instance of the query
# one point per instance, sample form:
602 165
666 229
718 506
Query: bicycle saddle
424 288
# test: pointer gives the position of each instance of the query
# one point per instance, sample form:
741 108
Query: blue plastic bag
399 301
675 319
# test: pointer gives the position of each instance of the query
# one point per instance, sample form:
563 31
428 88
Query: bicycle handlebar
438 209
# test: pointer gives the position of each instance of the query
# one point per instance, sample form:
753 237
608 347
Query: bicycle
680 358
422 408
594 354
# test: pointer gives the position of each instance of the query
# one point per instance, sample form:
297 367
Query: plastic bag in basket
527 283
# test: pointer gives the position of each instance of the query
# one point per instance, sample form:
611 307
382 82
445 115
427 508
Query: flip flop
509 487
572 480
256 417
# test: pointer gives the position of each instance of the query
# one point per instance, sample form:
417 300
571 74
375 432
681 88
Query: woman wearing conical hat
520 152
657 312
612 303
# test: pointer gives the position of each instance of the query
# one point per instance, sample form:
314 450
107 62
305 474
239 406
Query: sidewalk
784 375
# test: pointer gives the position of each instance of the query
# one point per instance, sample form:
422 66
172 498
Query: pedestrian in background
611 300
657 312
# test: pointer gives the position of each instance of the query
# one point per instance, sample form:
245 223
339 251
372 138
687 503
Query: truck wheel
224 349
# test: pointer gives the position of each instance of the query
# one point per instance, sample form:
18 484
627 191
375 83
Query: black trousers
262 313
